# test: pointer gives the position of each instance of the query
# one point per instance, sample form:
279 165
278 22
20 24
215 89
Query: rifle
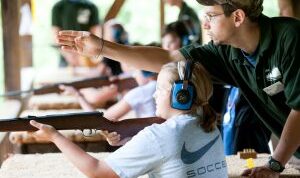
123 84
84 120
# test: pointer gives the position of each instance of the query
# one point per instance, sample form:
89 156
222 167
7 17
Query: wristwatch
275 165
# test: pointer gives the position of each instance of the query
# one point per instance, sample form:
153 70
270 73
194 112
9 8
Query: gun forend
85 83
84 120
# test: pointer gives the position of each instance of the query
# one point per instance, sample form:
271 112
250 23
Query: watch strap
275 165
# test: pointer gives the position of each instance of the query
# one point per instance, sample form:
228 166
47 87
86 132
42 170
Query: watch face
275 166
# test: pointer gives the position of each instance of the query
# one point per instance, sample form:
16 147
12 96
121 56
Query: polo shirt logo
274 75
83 16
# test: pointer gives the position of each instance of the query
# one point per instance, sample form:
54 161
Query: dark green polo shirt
75 15
186 13
278 68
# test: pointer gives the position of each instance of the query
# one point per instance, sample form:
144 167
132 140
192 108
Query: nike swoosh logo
191 157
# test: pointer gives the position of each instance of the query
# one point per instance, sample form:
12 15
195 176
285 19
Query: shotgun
123 84
83 120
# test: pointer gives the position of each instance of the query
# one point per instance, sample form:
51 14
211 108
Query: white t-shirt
178 148
141 99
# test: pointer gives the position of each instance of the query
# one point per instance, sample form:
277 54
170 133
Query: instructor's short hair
252 8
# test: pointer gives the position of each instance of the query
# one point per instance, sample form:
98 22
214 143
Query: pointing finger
74 33
69 49
36 124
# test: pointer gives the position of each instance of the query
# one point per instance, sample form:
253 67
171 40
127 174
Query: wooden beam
9 109
114 10
26 41
162 16
11 46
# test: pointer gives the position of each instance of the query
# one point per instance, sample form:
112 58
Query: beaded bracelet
102 45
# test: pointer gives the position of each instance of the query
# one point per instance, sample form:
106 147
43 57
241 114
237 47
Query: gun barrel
84 120
15 93
59 121
91 82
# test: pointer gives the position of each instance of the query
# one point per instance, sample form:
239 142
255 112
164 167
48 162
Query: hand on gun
114 139
45 132
69 90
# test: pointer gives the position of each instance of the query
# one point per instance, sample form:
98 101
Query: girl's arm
115 112
87 164
69 90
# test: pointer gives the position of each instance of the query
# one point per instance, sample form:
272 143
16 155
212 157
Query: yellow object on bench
236 166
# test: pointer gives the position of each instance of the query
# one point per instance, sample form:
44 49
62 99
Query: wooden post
11 46
114 10
26 43
162 16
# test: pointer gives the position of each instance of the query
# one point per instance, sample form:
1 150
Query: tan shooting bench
42 166
53 76
53 102
236 166
56 165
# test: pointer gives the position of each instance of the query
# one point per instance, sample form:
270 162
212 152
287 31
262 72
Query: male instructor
260 55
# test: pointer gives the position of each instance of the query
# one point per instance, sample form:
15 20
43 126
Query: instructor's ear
239 17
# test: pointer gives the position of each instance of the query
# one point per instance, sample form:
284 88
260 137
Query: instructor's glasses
210 17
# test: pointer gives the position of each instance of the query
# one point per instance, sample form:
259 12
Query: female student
188 144
139 99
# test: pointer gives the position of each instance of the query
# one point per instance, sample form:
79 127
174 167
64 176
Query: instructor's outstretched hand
81 42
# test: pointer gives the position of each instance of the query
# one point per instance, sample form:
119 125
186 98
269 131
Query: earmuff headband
187 73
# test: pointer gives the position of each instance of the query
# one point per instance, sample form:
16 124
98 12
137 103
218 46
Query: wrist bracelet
101 49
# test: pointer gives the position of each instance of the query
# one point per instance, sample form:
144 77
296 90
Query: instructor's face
219 27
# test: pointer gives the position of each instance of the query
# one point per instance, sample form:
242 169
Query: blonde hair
203 88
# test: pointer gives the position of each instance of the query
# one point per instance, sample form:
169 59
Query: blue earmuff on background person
114 32
119 34
192 36
179 29
183 91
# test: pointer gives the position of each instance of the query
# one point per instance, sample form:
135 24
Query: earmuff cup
183 96
182 99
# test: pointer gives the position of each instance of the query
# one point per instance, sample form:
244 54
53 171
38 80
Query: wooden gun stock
123 84
84 120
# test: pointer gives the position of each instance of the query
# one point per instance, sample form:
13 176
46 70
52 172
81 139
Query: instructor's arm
140 57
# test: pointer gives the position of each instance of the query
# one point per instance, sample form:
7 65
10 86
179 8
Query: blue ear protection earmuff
188 38
185 40
183 91
120 36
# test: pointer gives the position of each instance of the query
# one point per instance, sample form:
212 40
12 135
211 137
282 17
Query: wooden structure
18 50
114 10
18 54
11 44
25 40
